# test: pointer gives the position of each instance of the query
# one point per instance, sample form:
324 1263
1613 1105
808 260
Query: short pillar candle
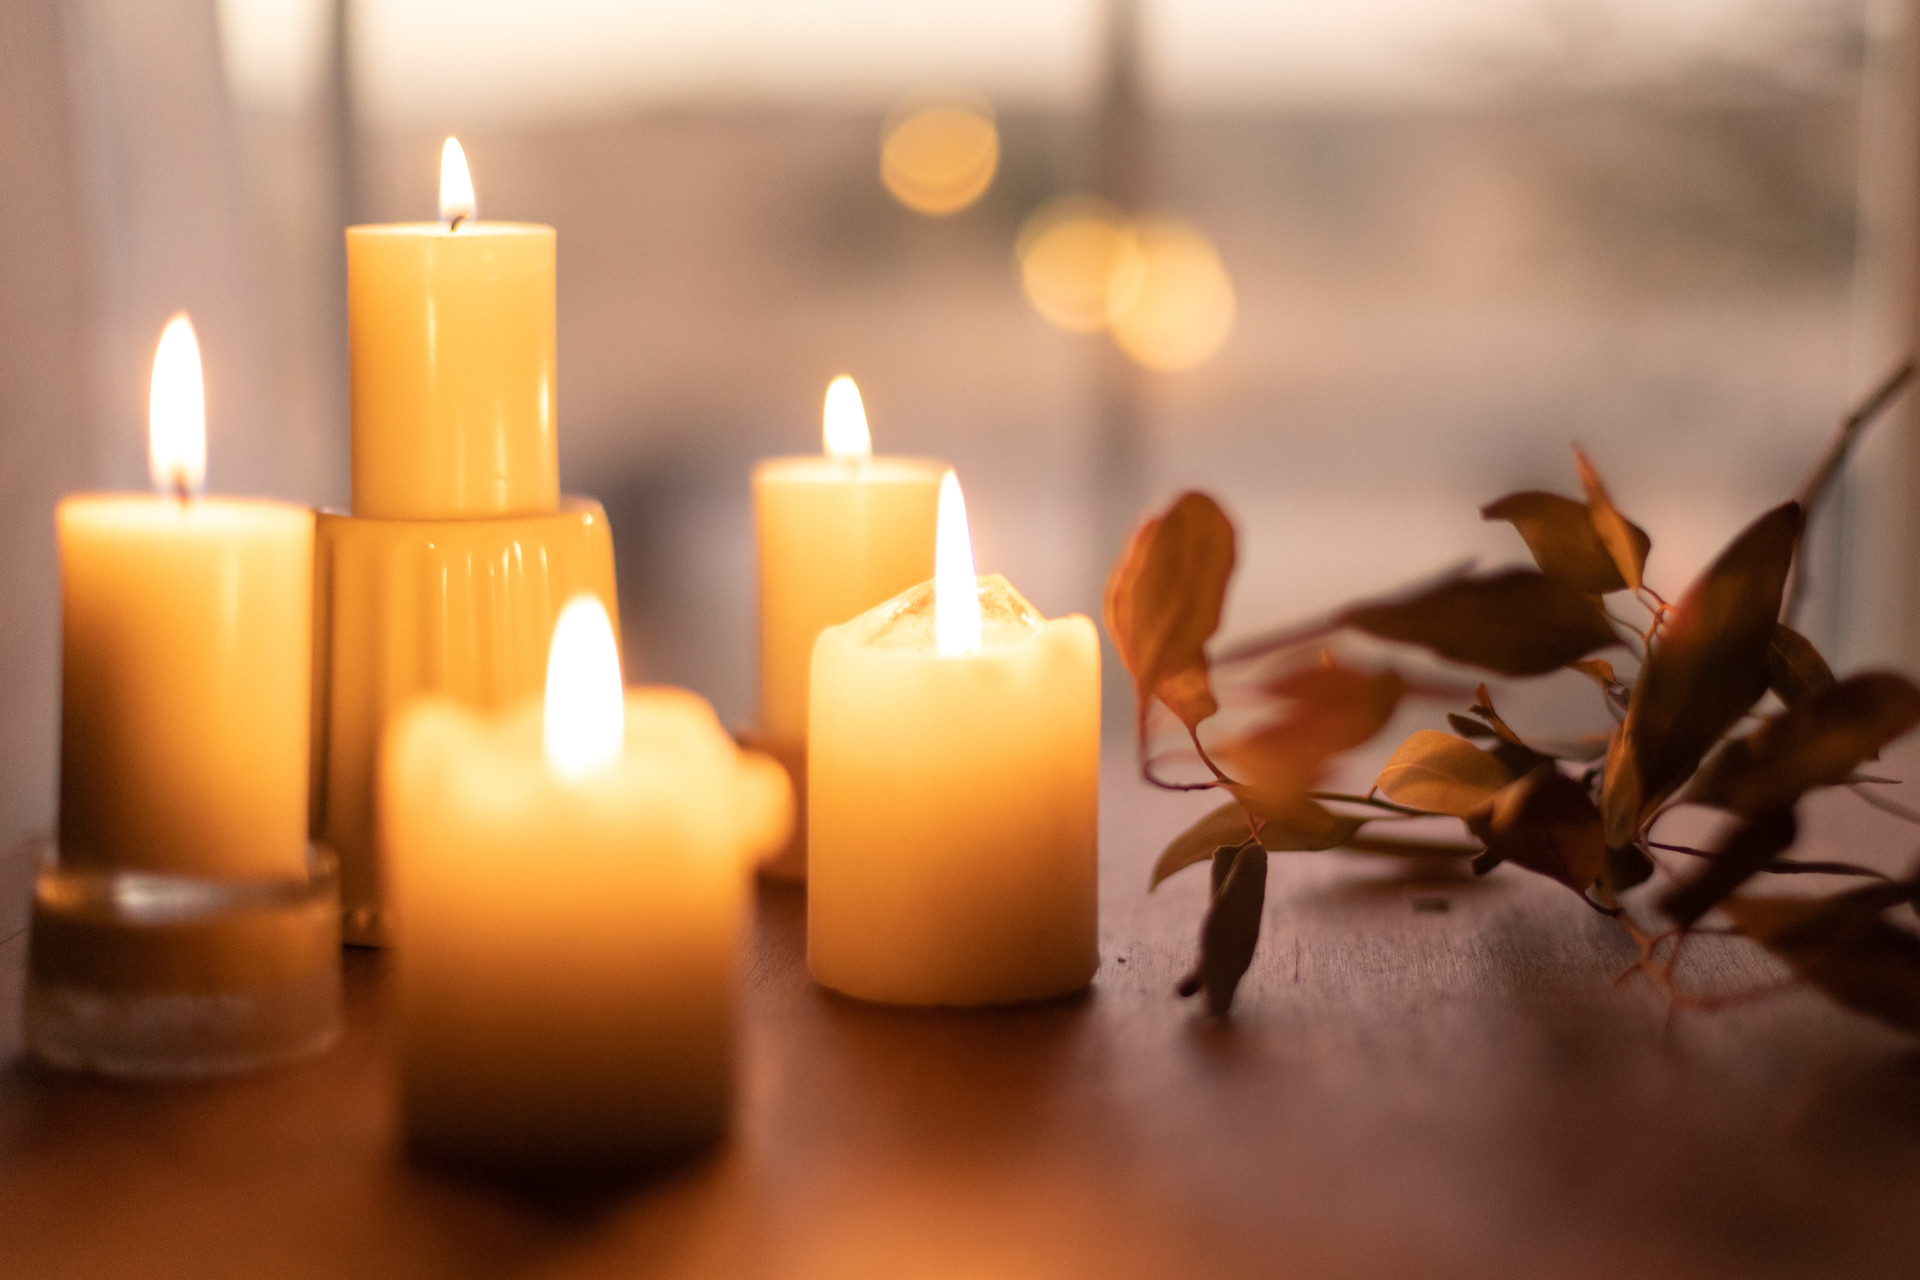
953 794
570 887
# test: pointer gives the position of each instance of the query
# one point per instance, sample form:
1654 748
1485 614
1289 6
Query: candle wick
453 224
180 489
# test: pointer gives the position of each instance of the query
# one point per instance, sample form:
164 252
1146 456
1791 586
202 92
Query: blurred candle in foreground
186 633
953 793
569 884
450 330
837 534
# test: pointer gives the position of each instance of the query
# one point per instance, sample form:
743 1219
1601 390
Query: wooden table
1424 1077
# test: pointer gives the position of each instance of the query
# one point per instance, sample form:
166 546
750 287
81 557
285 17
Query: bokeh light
1074 255
1171 307
1156 284
939 158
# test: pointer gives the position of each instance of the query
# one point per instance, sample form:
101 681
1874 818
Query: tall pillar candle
953 794
186 631
451 330
837 534
448 574
570 885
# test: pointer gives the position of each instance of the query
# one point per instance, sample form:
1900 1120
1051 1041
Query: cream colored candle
837 534
451 339
569 885
185 642
953 794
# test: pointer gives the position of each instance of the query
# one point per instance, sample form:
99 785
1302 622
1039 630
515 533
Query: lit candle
569 884
953 789
186 629
451 334
838 534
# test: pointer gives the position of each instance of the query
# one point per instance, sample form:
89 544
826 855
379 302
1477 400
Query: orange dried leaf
1231 930
1328 709
1517 622
1746 851
1163 602
1225 826
1626 542
1561 535
1710 662
1545 823
1795 669
1439 773
1818 743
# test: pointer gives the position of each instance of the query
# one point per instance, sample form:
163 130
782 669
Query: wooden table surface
1406 1089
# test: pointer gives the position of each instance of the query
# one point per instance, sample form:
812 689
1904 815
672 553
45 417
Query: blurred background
1353 268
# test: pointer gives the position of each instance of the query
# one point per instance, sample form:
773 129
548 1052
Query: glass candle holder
132 973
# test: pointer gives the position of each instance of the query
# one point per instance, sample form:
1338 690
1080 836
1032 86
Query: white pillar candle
953 793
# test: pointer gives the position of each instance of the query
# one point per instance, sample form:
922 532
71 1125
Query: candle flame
177 411
844 422
586 712
456 184
956 592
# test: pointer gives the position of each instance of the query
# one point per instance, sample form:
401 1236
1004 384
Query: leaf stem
1220 779
1411 848
1886 806
1371 802
1816 486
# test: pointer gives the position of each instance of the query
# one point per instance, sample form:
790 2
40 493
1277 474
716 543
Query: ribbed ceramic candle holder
402 608
133 973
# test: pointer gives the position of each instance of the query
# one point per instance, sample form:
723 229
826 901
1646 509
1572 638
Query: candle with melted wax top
570 884
953 793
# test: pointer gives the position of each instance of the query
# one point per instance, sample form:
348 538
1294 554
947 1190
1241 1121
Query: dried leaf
1232 927
1439 773
1600 669
1484 709
1468 727
1163 604
1305 827
1518 757
1516 622
1625 541
1844 946
1746 851
1226 825
1627 865
1584 749
1818 743
1710 664
1545 823
1795 669
1329 709
1562 538
1620 792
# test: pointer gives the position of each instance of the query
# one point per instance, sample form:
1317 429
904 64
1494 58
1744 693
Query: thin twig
1193 732
1410 848
1814 491
1887 806
1343 798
